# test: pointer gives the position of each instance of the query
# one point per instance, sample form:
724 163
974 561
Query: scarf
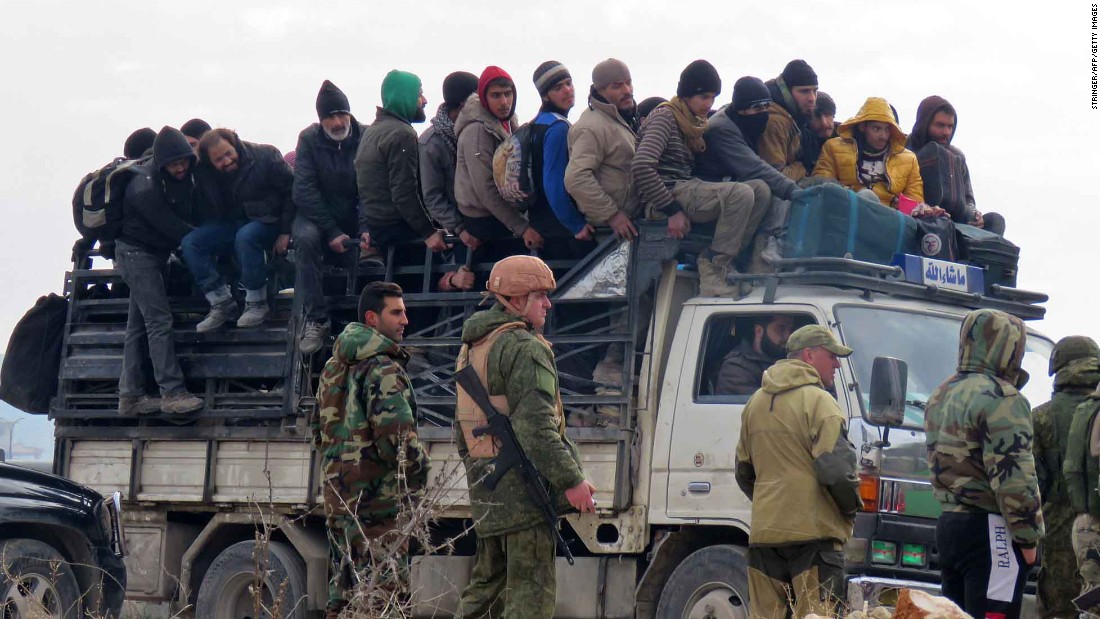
445 127
690 125
752 126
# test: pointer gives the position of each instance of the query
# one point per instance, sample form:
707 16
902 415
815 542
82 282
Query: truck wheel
711 583
224 591
35 581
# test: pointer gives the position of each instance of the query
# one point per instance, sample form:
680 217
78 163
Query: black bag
936 238
831 220
999 257
944 174
28 378
97 201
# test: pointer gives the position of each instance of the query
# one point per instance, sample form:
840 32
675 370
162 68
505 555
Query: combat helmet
1070 349
516 276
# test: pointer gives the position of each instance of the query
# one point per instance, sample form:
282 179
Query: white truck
669 537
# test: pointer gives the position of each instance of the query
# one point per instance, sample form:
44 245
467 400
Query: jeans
248 240
310 251
148 323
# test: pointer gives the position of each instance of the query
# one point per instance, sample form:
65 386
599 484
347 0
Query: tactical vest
1083 452
468 414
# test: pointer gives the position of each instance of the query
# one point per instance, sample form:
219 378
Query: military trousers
981 568
352 557
737 209
1058 582
1085 538
513 576
803 578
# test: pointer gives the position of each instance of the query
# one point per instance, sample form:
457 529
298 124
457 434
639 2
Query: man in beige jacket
795 463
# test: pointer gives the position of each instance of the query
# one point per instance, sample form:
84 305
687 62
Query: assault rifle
511 455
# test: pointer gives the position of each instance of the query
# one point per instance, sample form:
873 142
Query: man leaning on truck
796 465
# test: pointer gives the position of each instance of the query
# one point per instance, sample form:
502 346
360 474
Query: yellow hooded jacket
840 156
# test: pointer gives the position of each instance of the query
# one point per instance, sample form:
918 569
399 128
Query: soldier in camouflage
513 573
1081 469
979 435
1076 371
365 429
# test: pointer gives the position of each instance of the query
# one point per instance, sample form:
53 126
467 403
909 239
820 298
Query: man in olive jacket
795 463
513 573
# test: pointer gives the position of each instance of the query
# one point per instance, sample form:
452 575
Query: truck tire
35 581
224 589
712 582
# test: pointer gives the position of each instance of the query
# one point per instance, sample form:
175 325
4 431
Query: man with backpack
157 214
246 191
365 430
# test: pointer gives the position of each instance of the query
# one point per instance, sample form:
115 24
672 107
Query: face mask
752 127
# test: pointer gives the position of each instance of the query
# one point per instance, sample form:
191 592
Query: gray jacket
728 157
437 180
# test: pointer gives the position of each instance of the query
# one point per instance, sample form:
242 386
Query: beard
338 135
771 349
420 116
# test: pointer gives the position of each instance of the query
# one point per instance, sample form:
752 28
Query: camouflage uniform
365 429
1082 477
514 571
1076 373
978 432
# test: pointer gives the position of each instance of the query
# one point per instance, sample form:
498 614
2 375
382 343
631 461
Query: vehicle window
929 344
737 348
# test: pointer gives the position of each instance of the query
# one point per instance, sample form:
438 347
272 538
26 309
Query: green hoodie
365 426
521 367
401 94
978 429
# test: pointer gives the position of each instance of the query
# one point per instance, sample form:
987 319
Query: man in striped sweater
671 136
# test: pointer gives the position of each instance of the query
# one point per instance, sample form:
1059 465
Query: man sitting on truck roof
247 190
327 203
194 129
743 367
944 173
793 95
671 137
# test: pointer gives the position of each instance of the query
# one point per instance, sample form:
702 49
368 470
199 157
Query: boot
220 313
181 402
130 405
712 276
255 312
313 336
772 253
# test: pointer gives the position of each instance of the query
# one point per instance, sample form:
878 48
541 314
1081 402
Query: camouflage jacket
365 425
521 367
1072 384
1081 468
978 429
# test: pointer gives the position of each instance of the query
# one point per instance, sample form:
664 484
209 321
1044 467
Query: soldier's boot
129 405
313 336
714 271
255 312
219 314
180 403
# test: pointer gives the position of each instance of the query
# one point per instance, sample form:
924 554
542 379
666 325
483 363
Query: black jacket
324 180
387 168
260 189
158 210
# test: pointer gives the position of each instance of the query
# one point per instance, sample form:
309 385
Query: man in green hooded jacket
1076 371
978 433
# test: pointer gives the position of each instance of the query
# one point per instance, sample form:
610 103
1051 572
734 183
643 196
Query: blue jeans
248 240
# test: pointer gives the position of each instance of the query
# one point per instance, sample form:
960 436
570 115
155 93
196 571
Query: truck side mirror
888 384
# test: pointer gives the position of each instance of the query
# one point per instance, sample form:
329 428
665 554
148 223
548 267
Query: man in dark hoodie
943 166
787 137
438 148
157 214
246 191
327 203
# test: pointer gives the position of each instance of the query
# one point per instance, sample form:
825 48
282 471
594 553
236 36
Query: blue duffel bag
831 220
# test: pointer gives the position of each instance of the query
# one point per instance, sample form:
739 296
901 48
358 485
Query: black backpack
28 378
97 201
936 238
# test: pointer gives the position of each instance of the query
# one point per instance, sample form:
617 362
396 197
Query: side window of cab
736 350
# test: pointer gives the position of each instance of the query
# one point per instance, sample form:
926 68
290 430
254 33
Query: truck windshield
929 344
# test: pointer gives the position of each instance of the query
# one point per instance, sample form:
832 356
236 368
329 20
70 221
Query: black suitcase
999 257
937 238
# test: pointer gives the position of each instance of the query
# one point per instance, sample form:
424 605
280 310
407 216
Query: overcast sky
78 77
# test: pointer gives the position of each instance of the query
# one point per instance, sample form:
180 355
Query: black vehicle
61 548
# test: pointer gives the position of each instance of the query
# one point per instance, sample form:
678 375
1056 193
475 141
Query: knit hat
646 106
331 100
488 75
138 142
548 75
608 72
699 76
749 91
457 87
401 94
799 73
195 128
825 105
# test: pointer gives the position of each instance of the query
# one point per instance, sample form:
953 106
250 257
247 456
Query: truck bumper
876 590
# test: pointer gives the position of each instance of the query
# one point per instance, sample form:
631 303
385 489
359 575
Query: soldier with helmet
1076 370
513 574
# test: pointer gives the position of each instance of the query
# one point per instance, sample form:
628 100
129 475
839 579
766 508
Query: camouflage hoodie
365 427
521 367
1072 384
978 428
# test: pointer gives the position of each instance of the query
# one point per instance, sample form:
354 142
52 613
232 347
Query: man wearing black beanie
327 201
138 142
193 130
794 95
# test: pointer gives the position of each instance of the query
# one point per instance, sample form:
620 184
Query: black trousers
981 568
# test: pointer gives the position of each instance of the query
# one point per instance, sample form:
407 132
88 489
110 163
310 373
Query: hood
925 111
488 75
1078 374
171 145
358 342
992 343
483 323
475 113
875 109
789 374
781 97
401 94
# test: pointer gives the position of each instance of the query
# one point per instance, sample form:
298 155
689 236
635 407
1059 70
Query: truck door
707 420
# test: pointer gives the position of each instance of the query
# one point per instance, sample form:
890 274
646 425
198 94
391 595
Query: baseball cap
811 336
